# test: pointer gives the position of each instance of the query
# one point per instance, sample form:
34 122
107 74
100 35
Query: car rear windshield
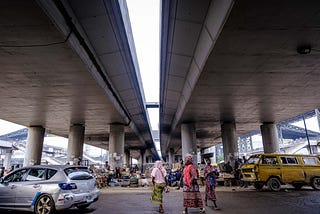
78 173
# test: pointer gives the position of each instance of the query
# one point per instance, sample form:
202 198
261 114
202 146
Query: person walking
210 176
159 182
191 193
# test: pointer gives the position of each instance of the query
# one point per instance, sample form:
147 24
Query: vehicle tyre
83 207
44 205
297 186
274 184
258 185
316 183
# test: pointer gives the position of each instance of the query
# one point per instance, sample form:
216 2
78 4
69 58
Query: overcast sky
145 24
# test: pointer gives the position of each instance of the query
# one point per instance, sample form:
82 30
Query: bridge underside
236 61
52 78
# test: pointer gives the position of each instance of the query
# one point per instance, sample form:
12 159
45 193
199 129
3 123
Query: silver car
45 188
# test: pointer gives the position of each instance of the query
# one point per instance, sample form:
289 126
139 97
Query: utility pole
305 128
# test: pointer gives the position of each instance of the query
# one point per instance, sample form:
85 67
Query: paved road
231 200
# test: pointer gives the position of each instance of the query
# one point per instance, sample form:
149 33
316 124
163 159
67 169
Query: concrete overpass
228 67
70 67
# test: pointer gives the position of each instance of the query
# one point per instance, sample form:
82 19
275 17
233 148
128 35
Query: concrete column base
116 145
229 142
75 144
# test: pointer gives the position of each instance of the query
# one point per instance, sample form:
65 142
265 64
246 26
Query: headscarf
158 164
189 164
188 159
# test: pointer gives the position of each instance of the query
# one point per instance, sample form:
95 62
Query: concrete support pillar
7 159
149 159
200 153
216 151
251 144
171 157
34 146
145 165
188 140
142 159
269 138
280 135
146 156
126 159
178 158
116 145
245 145
229 142
75 143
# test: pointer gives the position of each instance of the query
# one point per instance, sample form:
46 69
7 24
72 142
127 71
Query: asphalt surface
231 200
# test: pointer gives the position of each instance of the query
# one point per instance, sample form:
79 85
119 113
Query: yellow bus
273 170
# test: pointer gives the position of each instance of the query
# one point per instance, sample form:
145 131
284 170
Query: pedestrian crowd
188 181
189 177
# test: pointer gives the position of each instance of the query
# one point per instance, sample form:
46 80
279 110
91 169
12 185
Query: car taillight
67 186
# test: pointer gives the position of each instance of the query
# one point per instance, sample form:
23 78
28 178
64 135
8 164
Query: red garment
191 193
188 175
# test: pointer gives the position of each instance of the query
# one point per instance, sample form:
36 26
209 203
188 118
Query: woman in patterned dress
211 181
191 193
159 181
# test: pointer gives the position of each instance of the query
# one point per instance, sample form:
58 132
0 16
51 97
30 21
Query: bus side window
283 160
274 161
264 161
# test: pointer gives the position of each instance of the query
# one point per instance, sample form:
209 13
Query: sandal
161 210
202 210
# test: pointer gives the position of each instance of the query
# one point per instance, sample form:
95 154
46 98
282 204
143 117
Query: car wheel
82 207
258 185
44 204
297 186
316 183
274 184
